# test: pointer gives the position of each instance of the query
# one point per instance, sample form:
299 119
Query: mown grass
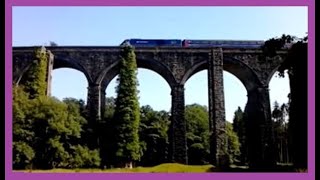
170 168
162 168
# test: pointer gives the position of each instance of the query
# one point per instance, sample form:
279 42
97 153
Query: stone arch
152 65
271 74
67 63
237 68
113 70
19 75
58 63
274 65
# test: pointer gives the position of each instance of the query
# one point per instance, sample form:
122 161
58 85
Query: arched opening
235 95
279 89
153 90
196 89
155 102
108 78
196 100
69 83
239 79
71 86
197 118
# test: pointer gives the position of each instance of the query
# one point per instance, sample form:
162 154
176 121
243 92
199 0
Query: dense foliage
239 128
280 126
153 135
35 83
197 119
46 131
296 66
233 144
126 118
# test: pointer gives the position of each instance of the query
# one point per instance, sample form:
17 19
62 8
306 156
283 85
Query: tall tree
280 127
35 86
127 111
239 128
36 77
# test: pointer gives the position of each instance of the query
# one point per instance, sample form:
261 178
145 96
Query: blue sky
111 25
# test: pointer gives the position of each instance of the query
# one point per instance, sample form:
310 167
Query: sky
109 26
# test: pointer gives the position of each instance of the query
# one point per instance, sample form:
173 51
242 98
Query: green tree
153 134
35 86
23 155
54 124
109 108
23 134
83 157
233 144
280 127
79 103
197 121
36 77
127 112
57 128
46 131
107 147
239 128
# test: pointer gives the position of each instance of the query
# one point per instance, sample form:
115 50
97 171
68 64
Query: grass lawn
167 168
162 168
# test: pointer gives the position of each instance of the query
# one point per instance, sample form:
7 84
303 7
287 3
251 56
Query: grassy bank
168 168
162 168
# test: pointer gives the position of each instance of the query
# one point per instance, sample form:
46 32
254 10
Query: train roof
154 39
230 40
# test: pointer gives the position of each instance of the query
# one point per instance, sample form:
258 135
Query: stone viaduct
176 65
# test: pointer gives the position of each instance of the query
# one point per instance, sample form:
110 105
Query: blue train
192 43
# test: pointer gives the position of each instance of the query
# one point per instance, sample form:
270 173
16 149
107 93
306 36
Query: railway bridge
176 65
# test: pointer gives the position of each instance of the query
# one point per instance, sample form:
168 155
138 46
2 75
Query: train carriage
153 42
193 43
222 43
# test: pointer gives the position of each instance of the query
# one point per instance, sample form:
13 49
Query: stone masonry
176 65
218 139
